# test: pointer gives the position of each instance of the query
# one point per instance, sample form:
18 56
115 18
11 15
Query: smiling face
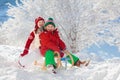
50 27
39 27
40 23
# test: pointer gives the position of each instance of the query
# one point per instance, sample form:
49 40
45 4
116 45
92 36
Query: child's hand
66 52
22 54
56 52
25 52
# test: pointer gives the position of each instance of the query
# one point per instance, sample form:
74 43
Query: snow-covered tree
81 23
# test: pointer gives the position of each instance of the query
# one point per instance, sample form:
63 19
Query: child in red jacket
39 23
51 44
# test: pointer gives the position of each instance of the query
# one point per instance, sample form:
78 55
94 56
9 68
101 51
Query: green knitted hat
49 21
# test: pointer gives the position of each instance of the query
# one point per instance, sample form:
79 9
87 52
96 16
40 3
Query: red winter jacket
51 41
28 43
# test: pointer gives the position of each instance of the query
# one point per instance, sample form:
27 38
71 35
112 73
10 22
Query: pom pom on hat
49 21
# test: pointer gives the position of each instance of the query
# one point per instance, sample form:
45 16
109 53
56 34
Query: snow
81 23
9 69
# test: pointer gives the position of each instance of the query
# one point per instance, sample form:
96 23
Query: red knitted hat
38 19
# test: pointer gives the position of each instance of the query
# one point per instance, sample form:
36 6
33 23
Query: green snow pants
75 59
49 58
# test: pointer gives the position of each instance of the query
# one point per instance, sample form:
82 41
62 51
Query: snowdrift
9 70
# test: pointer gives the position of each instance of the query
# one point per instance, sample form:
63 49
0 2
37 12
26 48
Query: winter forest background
90 27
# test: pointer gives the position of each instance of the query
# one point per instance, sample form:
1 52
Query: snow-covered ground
9 69
95 22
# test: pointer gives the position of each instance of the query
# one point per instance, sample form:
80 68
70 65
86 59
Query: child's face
50 27
40 23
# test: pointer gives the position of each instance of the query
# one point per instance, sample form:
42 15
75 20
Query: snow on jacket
51 41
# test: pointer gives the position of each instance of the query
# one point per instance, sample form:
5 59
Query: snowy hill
105 70
83 24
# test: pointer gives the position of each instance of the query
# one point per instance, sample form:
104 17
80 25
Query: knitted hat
49 21
38 19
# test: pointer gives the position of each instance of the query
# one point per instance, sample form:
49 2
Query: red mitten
24 53
61 54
